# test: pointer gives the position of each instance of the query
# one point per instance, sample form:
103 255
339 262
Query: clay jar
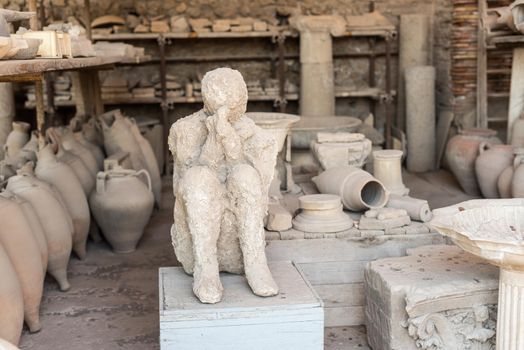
11 301
95 150
490 163
387 169
118 137
16 139
150 158
20 245
55 221
63 178
72 145
36 226
122 206
517 182
357 188
462 151
81 171
517 132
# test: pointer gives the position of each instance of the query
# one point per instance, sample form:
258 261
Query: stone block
371 233
278 218
260 26
242 320
438 294
242 28
416 229
366 223
291 234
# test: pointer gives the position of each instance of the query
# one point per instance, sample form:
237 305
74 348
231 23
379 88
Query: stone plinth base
436 295
334 263
294 319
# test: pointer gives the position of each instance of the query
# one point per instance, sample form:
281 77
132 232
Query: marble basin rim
278 123
490 232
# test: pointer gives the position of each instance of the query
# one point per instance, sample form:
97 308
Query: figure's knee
198 180
245 178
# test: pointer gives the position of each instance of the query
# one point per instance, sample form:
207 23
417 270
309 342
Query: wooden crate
292 320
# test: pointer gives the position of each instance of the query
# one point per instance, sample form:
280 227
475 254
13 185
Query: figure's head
225 87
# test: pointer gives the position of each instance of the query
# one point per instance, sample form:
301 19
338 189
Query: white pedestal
294 319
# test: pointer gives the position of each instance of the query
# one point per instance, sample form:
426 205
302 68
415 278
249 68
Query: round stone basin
495 233
278 123
307 128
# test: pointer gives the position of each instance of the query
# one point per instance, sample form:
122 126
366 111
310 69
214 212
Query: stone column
317 82
510 316
414 51
387 169
420 117
7 113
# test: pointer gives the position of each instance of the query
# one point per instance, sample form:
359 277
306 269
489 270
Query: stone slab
436 281
242 320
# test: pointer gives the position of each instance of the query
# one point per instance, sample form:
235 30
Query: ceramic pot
93 132
24 254
95 150
55 221
490 163
517 182
462 151
150 158
504 182
517 12
82 172
499 18
30 149
357 188
387 169
72 145
122 206
517 132
36 226
63 178
16 139
11 301
6 170
118 137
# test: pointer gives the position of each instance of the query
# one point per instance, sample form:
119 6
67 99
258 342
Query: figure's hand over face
226 134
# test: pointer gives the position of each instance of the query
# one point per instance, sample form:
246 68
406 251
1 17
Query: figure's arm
185 140
260 149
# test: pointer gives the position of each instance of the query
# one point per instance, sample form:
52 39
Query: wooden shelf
506 39
11 69
188 35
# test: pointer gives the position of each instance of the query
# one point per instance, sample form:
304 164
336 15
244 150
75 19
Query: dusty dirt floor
113 301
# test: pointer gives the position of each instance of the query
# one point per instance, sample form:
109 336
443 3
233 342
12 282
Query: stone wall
348 72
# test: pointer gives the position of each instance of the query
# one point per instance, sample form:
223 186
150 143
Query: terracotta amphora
5 345
490 163
6 170
462 151
504 182
16 139
150 158
82 172
20 245
11 301
93 132
36 226
71 144
517 182
95 150
54 218
118 137
122 206
517 12
358 189
63 178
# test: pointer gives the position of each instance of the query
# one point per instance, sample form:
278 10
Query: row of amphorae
56 195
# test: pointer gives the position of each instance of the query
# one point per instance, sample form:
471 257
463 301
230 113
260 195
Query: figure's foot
208 289
261 281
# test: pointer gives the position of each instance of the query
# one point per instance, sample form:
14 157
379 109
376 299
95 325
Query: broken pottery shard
224 165
278 218
335 150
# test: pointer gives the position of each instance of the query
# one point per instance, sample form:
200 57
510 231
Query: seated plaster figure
223 166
